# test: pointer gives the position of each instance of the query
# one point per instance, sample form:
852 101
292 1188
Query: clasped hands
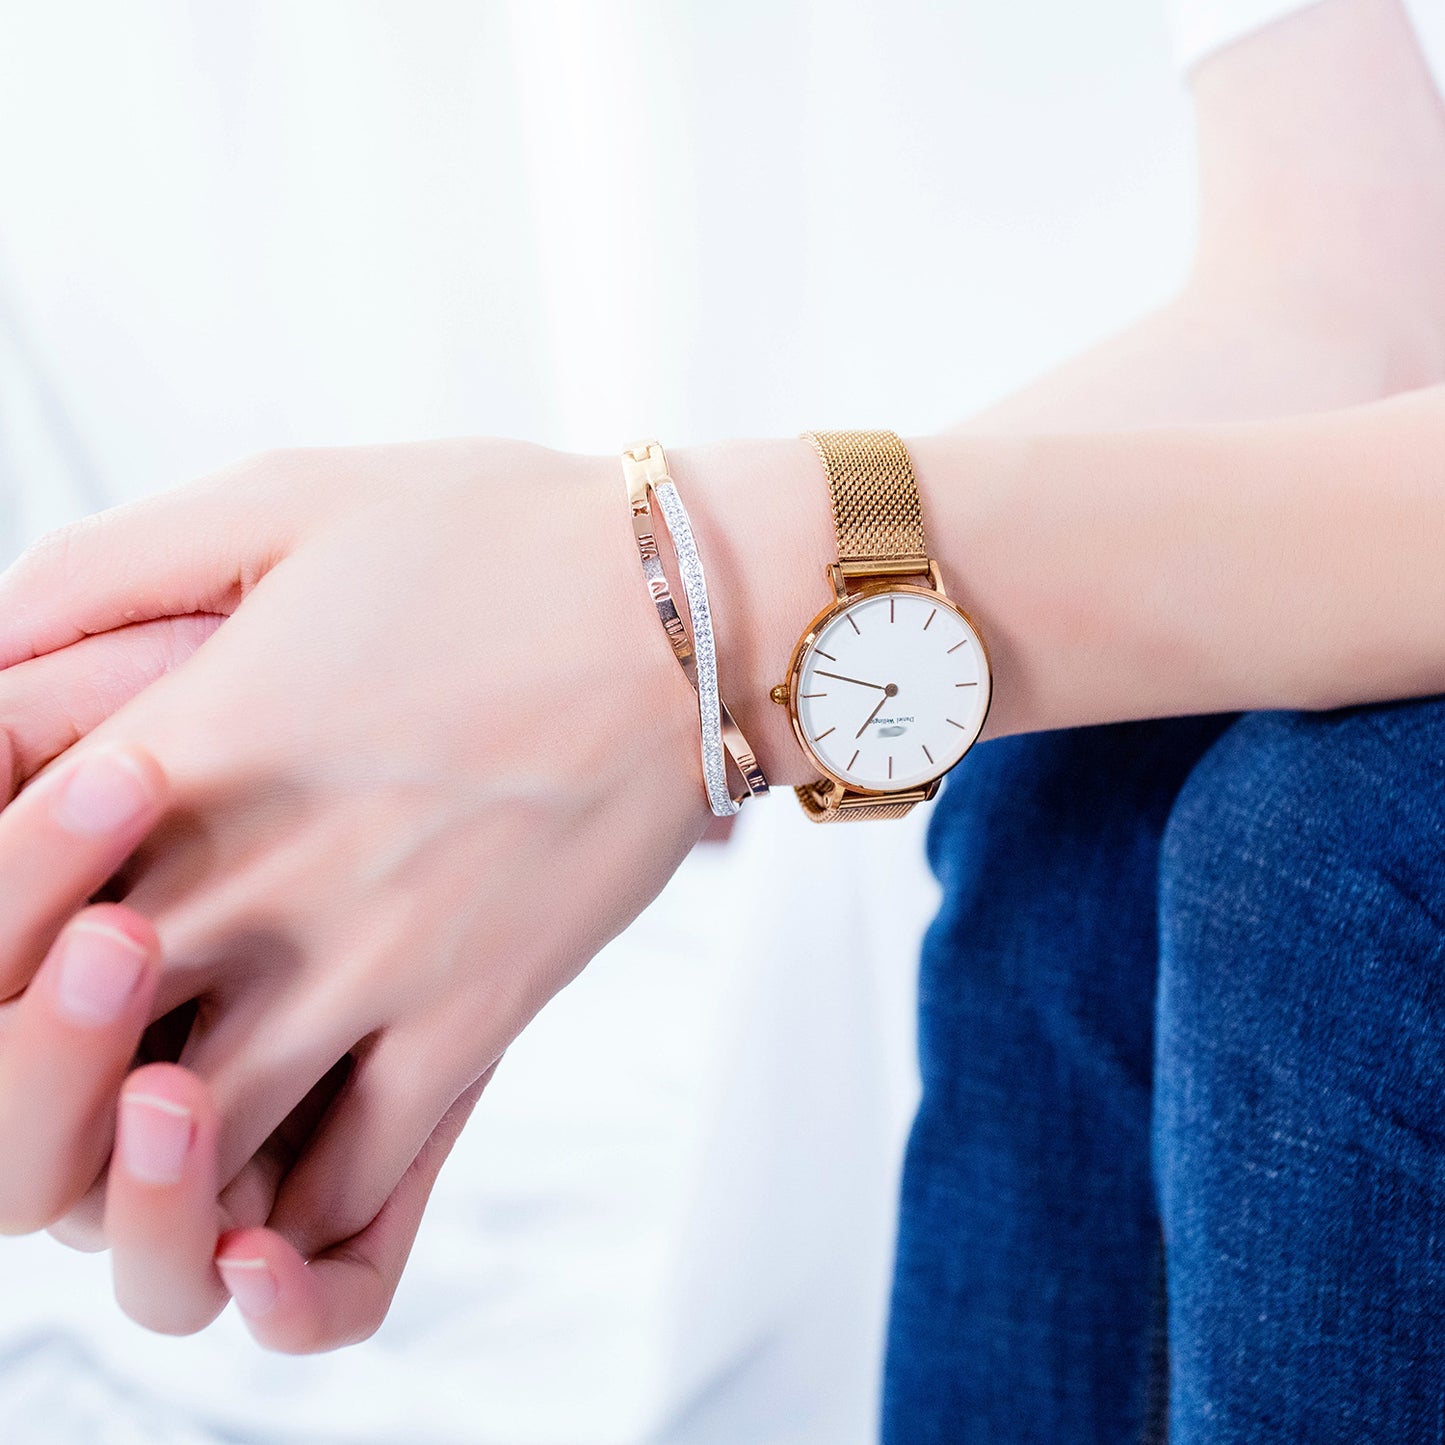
326 773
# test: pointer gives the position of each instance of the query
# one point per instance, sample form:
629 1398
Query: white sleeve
1200 27
1428 18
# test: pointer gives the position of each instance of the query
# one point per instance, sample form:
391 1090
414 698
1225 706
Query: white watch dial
893 690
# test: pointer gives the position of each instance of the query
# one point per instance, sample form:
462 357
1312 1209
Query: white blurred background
231 226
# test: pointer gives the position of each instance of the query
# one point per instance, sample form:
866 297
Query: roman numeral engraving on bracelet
676 632
647 546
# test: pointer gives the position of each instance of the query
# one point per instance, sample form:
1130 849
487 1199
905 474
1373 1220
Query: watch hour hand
839 676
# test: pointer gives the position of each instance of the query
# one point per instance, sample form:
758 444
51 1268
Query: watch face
893 690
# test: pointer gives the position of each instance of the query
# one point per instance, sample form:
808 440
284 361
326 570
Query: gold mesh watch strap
878 520
818 810
876 512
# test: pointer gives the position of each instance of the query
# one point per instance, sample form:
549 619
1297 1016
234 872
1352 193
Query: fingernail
104 793
155 1134
99 969
251 1283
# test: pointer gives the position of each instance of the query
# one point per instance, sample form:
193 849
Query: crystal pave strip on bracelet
645 469
694 586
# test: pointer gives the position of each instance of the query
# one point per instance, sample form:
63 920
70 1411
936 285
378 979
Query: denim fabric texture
1179 1167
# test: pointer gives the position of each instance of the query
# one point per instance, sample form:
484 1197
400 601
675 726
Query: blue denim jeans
1179 1168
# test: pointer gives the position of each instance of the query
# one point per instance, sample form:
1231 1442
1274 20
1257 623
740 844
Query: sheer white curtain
225 227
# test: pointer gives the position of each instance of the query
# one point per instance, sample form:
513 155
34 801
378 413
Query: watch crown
780 693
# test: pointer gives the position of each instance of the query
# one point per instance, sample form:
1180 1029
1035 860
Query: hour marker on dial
854 625
821 736
926 753
931 616
957 645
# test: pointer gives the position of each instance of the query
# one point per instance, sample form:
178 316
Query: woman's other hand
436 756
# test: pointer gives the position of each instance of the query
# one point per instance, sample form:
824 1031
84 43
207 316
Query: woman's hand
179 1252
68 1041
437 754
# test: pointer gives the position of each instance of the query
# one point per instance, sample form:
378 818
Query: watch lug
840 573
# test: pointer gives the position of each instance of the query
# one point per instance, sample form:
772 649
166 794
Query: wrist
764 525
760 513
638 669
987 532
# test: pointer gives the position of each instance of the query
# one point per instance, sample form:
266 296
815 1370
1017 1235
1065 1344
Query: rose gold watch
889 685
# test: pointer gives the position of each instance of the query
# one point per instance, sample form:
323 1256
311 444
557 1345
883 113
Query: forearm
1288 564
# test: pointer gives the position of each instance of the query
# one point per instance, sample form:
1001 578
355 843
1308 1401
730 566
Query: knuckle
319 1339
30 1211
82 1227
14 1222
83 1235
367 1327
300 1342
313 1228
266 465
278 466
370 1295
173 1319
52 555
258 475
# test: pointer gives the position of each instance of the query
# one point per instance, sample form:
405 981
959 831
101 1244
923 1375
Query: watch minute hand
871 716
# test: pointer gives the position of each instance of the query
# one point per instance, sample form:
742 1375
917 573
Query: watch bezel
836 608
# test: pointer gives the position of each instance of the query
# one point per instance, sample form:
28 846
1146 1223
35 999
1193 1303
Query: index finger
61 839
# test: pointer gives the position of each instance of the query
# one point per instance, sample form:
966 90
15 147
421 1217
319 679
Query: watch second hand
880 686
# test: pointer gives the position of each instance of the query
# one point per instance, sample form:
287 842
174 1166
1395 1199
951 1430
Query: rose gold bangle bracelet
644 467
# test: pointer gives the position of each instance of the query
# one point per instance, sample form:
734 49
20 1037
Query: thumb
199 548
